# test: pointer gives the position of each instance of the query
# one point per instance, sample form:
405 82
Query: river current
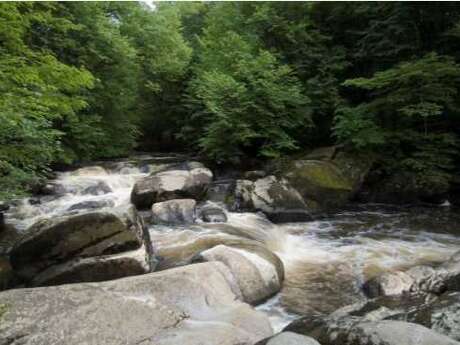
326 261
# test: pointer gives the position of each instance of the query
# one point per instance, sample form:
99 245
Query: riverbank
278 272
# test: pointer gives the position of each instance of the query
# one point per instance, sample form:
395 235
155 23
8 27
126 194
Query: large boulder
330 182
95 269
417 279
353 331
257 277
177 211
274 197
186 180
441 315
57 240
288 338
194 305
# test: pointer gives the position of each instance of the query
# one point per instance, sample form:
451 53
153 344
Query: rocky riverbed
161 249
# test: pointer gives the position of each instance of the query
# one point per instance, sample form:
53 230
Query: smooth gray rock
194 305
257 277
177 211
95 269
276 198
187 180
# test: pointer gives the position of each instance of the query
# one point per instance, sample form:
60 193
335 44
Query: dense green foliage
230 80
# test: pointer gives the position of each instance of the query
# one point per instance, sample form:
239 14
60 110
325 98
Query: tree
242 99
36 92
406 117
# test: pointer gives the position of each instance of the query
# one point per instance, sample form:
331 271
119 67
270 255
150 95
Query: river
326 261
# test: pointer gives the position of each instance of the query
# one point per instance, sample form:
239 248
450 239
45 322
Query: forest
231 81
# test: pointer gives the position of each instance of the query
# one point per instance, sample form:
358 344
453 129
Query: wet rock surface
257 277
274 197
186 180
176 211
197 304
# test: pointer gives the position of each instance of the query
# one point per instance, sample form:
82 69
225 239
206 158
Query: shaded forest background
231 81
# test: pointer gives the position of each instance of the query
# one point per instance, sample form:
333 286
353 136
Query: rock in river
350 331
257 277
185 180
274 197
194 305
417 279
58 240
176 211
330 182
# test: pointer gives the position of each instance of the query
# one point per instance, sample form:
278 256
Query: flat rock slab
196 304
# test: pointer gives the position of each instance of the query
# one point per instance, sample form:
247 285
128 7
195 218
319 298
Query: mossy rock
328 183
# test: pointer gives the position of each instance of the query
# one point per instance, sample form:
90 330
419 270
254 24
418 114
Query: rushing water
326 261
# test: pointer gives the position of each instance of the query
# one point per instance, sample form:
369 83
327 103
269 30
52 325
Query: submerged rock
257 277
55 241
187 180
177 211
194 305
274 197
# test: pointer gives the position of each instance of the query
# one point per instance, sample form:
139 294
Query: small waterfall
97 185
